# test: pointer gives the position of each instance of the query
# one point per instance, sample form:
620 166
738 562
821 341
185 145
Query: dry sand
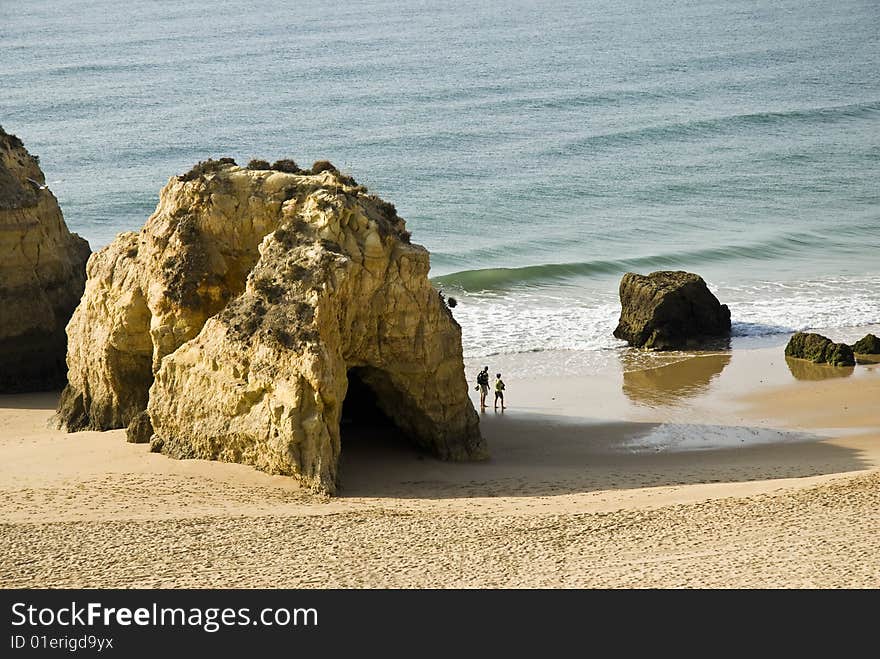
709 471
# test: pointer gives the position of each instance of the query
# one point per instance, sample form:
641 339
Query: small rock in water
819 349
869 345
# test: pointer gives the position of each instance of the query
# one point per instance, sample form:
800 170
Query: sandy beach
720 470
240 237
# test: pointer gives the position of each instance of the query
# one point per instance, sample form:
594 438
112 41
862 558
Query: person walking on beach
499 391
483 386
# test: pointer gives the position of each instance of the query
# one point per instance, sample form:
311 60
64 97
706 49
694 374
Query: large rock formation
819 349
238 313
669 311
42 274
868 345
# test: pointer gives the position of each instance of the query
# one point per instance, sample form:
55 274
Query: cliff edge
42 274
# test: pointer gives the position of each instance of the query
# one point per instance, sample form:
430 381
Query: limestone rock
819 349
238 312
42 274
669 310
140 430
869 345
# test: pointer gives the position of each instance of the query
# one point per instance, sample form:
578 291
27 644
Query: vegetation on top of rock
387 208
390 223
208 166
15 192
10 141
323 166
869 345
286 165
269 288
819 349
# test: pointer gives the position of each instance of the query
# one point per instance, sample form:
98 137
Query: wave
740 328
523 100
500 279
178 61
702 128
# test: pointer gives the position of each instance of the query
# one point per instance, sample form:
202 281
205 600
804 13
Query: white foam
675 437
773 307
583 319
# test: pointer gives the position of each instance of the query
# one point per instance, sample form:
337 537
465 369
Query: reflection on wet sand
669 383
803 369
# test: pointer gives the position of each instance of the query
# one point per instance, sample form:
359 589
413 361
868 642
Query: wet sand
716 470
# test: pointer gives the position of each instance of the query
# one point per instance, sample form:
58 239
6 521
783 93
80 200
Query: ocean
538 150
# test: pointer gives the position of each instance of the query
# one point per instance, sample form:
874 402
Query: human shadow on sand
534 455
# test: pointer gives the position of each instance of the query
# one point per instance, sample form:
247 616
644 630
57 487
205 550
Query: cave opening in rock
364 422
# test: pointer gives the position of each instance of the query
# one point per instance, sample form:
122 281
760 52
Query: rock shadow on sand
549 456
37 400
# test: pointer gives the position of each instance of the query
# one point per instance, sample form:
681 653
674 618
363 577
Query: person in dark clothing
483 386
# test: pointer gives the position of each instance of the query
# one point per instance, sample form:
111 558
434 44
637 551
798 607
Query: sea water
539 150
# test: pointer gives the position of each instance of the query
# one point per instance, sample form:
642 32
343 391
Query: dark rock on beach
669 310
869 345
140 429
819 349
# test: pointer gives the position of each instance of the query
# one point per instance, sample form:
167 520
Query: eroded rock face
868 345
42 274
669 311
235 315
819 349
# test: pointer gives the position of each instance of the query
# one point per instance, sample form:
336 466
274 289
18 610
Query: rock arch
362 403
373 386
254 369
